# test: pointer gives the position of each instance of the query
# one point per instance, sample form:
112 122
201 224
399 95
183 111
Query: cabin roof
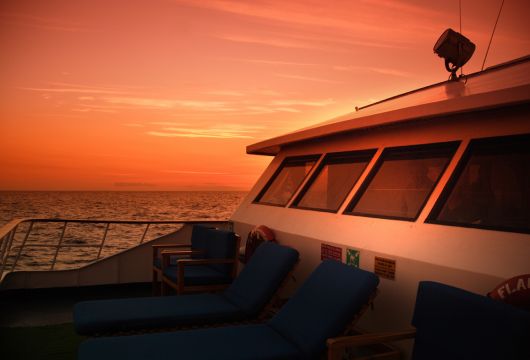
501 85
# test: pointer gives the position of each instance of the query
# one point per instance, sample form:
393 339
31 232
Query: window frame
408 152
367 154
282 165
493 141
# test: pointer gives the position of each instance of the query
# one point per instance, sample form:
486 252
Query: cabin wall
474 259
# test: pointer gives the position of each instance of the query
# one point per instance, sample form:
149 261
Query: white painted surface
469 258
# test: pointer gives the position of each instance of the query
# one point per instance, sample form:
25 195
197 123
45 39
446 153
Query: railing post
145 233
103 240
58 246
21 246
5 243
7 240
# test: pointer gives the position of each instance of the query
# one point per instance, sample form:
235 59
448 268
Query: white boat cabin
433 184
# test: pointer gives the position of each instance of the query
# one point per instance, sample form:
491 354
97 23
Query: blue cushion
222 245
107 316
455 324
324 305
251 342
253 288
261 277
199 236
198 275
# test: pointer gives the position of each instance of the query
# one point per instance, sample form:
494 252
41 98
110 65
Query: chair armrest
157 247
191 262
337 345
167 253
170 245
186 262
181 252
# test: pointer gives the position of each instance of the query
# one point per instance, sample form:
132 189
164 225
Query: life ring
255 237
514 291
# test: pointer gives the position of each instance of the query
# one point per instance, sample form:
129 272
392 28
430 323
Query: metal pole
22 246
3 245
58 246
103 240
7 240
145 233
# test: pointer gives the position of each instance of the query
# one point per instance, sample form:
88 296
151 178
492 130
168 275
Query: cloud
371 19
74 90
383 71
307 78
133 184
269 93
277 42
287 109
169 123
227 131
168 103
84 109
40 22
197 133
302 102
195 172
225 93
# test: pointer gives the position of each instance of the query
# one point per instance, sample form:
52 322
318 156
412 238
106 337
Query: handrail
9 231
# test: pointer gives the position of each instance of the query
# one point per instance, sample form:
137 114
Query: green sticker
352 257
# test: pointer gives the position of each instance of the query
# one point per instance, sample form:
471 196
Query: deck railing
16 239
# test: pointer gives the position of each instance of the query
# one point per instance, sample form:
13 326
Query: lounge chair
452 323
246 297
323 307
208 263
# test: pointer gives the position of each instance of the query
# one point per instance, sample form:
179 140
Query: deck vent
456 49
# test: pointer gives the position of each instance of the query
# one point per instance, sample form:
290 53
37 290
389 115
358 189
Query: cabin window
334 179
490 187
286 180
401 181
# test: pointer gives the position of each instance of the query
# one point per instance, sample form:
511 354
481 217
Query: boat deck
39 307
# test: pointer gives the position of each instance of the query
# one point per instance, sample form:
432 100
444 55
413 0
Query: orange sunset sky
166 94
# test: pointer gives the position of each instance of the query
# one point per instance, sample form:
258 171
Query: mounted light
455 48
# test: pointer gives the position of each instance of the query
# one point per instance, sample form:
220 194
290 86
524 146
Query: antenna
491 38
460 15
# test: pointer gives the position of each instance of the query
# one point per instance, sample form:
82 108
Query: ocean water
80 239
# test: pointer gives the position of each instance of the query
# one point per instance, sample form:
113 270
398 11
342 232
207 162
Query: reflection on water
82 240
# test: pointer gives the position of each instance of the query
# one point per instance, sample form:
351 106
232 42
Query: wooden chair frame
157 271
179 285
337 345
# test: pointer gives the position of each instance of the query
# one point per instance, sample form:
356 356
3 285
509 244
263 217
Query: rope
491 38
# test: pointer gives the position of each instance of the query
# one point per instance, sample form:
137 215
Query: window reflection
286 181
401 182
334 180
491 188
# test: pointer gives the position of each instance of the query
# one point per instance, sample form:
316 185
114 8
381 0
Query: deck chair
452 323
245 299
209 263
321 308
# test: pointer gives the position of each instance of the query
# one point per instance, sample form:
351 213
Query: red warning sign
330 252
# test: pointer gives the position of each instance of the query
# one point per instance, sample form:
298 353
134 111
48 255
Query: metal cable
491 38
